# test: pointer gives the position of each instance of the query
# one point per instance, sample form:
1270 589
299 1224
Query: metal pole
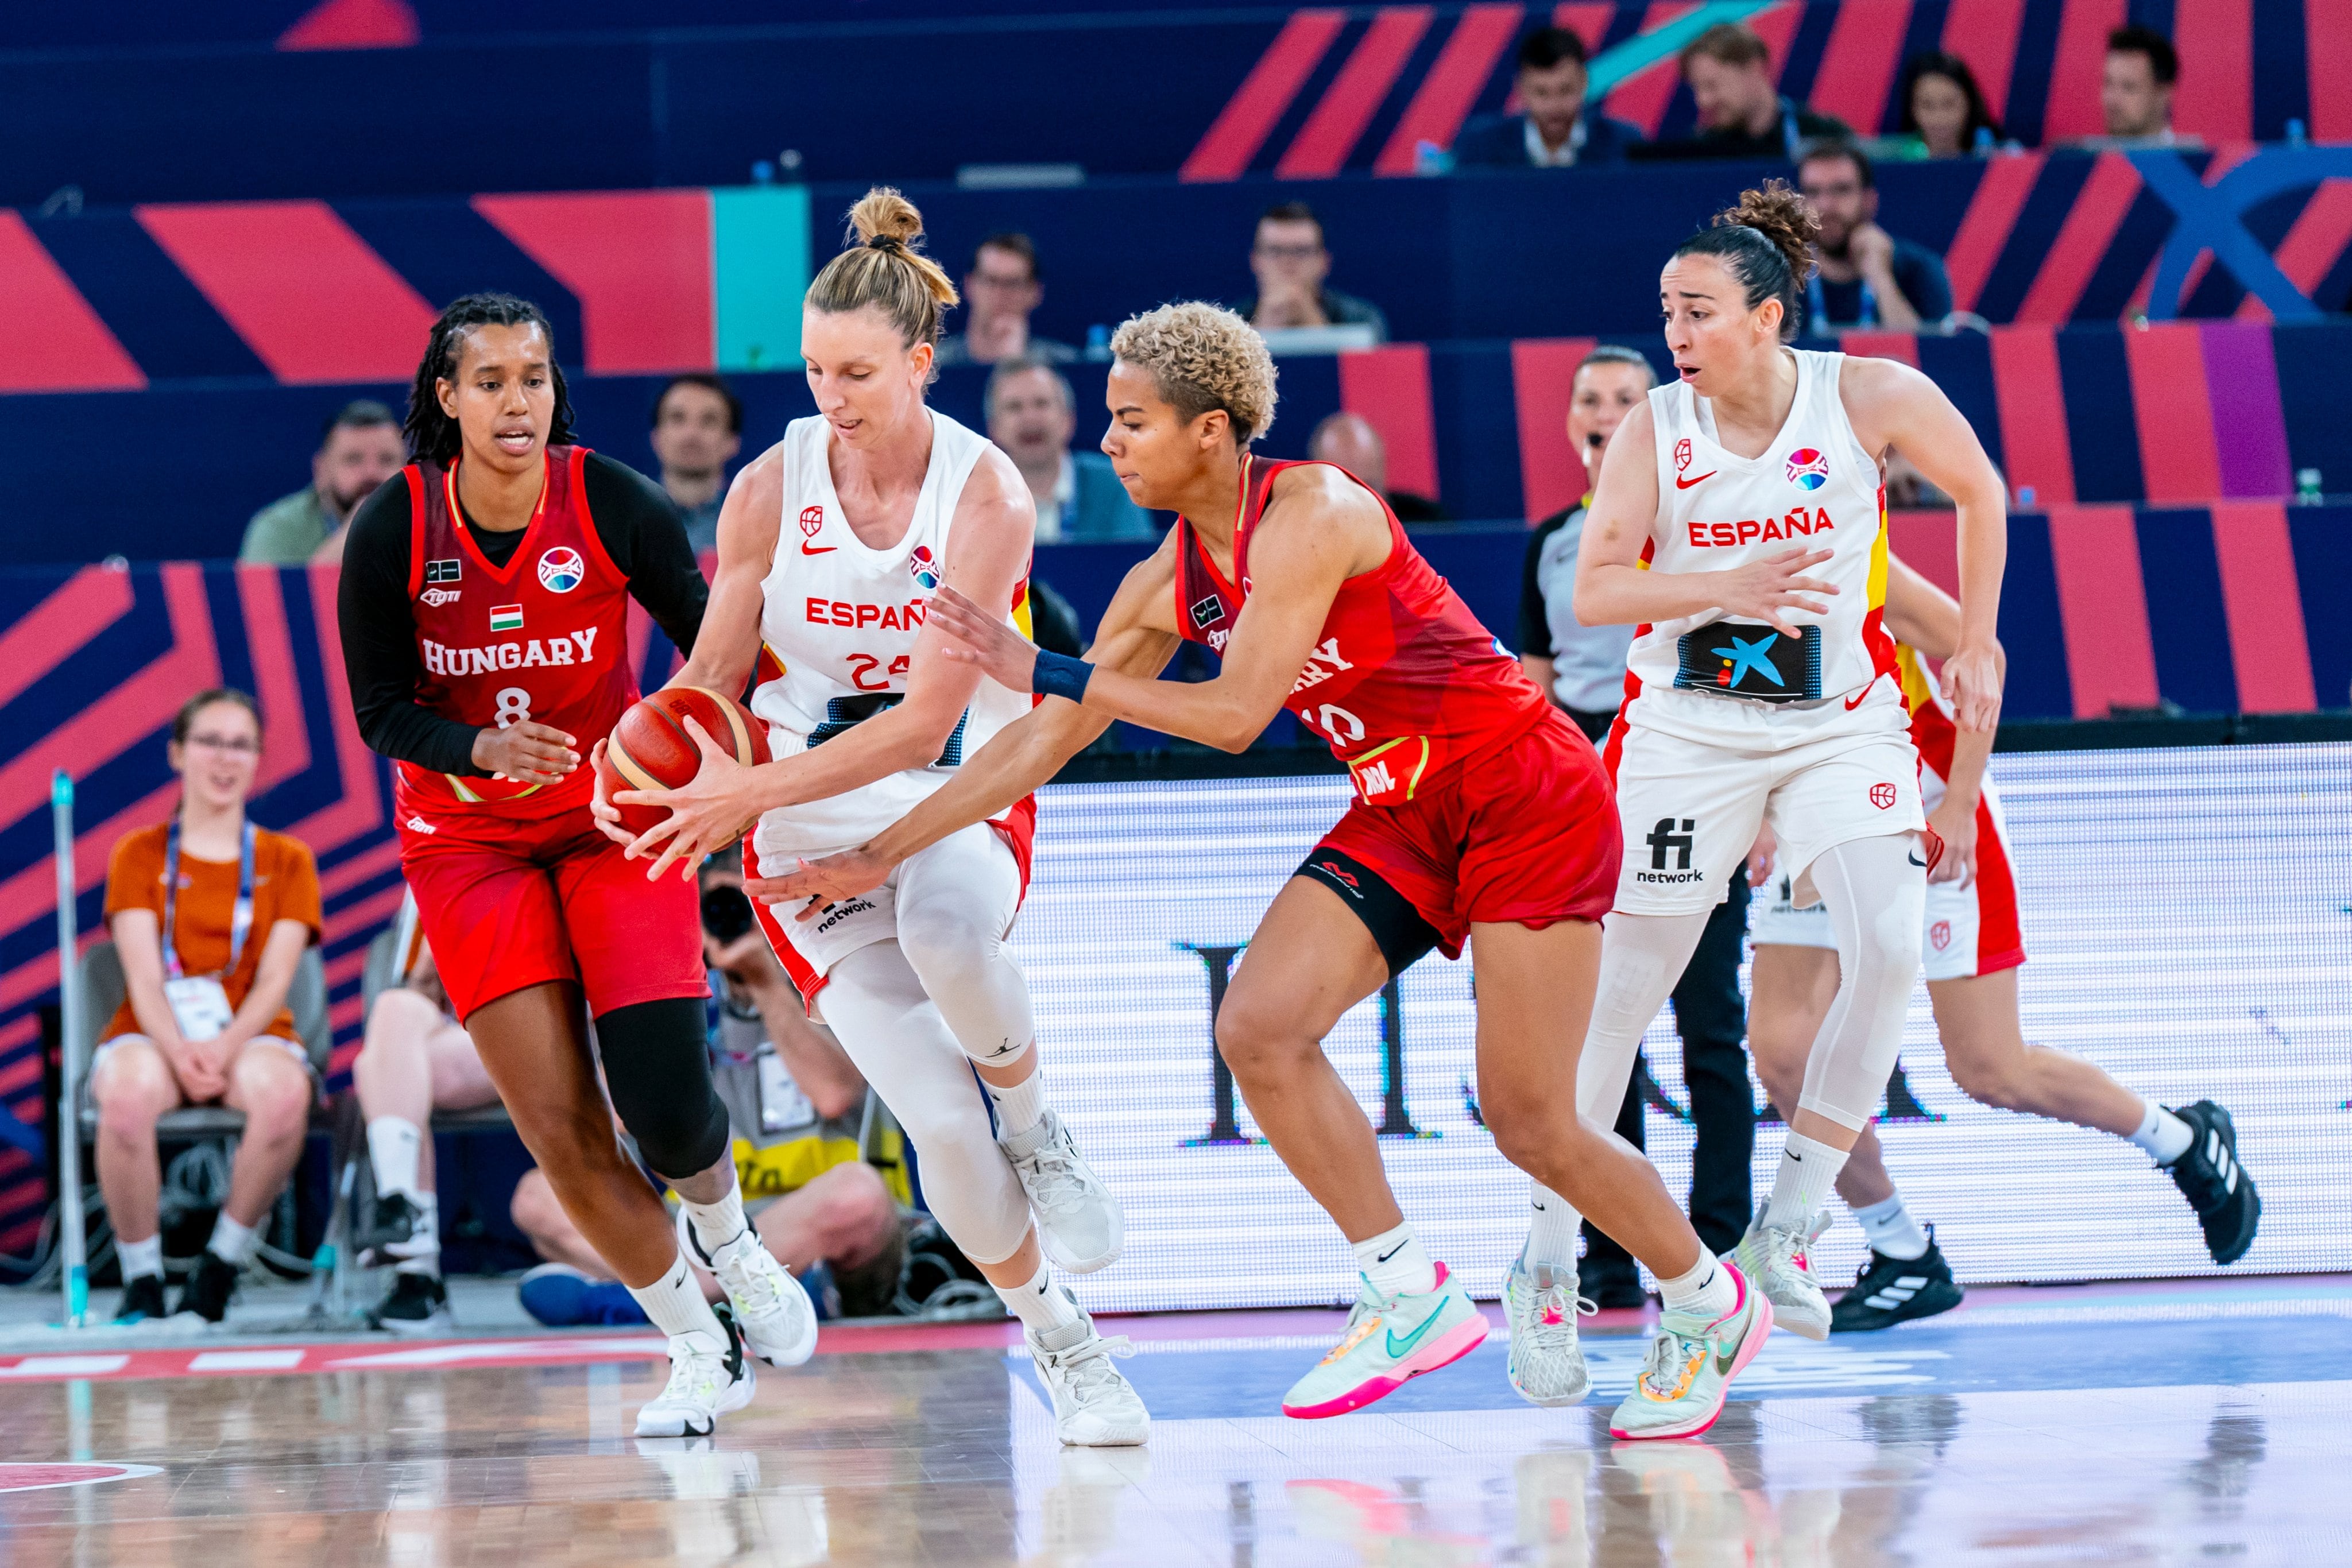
69 1002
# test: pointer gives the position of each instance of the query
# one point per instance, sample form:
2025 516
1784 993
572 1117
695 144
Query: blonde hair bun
882 213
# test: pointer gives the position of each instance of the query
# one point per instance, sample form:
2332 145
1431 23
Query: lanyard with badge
200 1002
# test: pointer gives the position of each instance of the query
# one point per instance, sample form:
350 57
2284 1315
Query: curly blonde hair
1202 357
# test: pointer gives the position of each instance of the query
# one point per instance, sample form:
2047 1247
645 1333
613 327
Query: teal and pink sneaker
1691 1365
1389 1340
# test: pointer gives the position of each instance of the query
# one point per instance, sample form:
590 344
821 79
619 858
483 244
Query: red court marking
2032 405
1389 387
1249 118
2083 240
260 596
640 262
1355 95
2313 246
1542 370
35 1478
2327 45
56 342
1857 71
2216 100
2178 459
354 25
2261 595
1984 34
1903 346
1643 97
2103 608
88 602
1451 88
2073 106
306 294
1985 227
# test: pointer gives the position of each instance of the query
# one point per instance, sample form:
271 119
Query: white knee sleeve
879 1010
1877 894
956 904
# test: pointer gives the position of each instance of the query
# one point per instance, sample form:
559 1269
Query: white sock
1551 1229
717 1224
231 1242
1041 1308
1394 1263
1808 1170
674 1303
140 1260
1706 1292
393 1143
1891 1232
2164 1135
1019 1106
421 1253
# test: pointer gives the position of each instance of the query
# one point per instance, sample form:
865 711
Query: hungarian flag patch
506 617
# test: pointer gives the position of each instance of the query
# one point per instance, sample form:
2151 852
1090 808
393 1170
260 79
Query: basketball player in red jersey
1481 816
483 611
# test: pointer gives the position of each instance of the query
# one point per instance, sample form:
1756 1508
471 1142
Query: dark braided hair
433 436
1767 244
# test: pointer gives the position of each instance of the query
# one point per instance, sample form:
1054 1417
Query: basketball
650 748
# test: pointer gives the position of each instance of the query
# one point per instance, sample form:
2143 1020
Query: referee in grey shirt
1583 670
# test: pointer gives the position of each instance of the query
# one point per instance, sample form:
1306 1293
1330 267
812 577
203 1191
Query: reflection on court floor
2131 1423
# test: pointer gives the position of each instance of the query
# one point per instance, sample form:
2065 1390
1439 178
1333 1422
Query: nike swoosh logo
1722 1360
1683 483
1854 701
1397 1351
808 548
1390 1253
1917 862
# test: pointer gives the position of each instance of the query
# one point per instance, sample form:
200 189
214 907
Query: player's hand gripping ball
650 748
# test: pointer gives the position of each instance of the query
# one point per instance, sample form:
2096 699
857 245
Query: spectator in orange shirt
205 1020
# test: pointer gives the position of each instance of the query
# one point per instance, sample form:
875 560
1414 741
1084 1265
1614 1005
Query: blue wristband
1059 675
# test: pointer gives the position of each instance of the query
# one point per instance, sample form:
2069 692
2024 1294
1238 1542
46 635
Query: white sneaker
1079 1222
1546 1363
1778 1258
1095 1407
777 1319
705 1381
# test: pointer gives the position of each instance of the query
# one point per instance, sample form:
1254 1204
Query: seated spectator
1032 416
1004 286
360 448
1291 263
795 1105
1581 667
2136 90
1943 109
697 431
417 1059
1350 440
1555 130
210 914
1865 277
1741 112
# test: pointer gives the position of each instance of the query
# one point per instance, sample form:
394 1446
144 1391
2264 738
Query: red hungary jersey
545 639
1404 682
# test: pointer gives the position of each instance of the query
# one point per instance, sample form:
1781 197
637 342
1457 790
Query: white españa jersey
839 627
1815 488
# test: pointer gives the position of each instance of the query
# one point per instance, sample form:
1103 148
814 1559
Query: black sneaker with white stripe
1891 1291
2215 1184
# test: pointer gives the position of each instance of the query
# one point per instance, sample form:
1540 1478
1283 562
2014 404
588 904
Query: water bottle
1429 158
1098 342
764 173
1984 142
2295 135
2025 496
2306 487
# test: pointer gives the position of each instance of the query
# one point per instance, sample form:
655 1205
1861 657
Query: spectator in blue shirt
1031 417
1556 129
1867 276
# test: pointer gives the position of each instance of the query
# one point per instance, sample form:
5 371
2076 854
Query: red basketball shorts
1525 834
508 903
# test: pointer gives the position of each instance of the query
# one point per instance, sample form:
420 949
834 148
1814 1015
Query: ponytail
884 266
1767 243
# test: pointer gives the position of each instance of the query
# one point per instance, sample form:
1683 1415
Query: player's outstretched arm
1319 529
1137 638
1612 589
1893 405
1928 619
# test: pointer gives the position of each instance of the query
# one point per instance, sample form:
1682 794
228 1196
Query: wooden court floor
2189 1425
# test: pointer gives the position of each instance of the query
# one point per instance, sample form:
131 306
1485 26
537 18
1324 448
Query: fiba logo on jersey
1808 469
1883 796
919 566
812 520
560 570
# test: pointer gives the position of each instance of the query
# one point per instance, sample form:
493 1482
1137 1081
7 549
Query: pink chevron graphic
280 692
361 809
91 599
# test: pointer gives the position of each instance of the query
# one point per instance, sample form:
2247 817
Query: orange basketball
649 748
